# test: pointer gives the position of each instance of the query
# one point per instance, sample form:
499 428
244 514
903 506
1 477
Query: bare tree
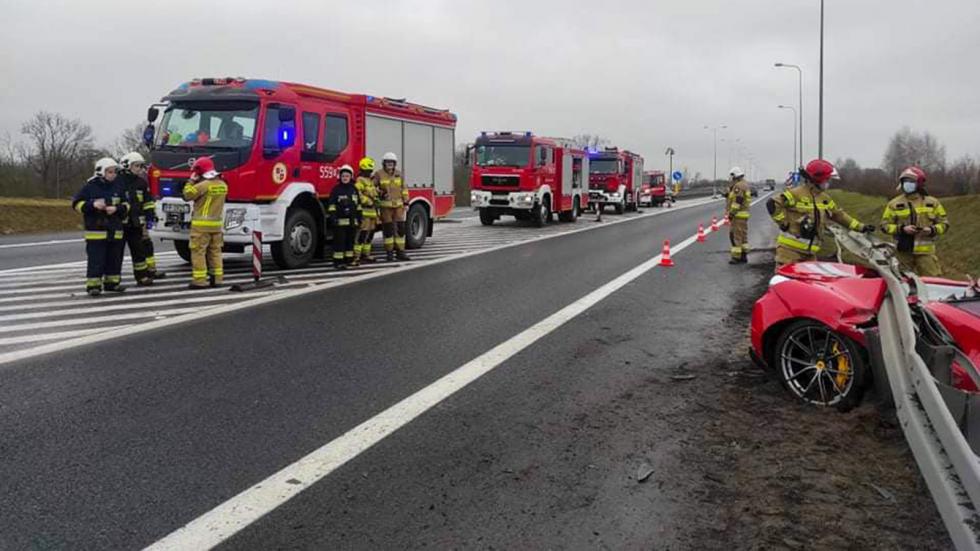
131 140
963 176
57 147
589 141
912 148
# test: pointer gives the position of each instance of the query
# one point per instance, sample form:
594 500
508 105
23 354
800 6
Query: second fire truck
615 177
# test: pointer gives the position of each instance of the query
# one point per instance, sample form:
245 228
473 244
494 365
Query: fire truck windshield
503 155
207 125
603 166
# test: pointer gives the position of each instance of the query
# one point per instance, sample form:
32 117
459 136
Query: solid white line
10 357
227 519
84 321
94 308
49 336
41 243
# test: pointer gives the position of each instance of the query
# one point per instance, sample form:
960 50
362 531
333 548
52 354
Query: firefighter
102 203
915 219
368 194
394 198
344 210
737 209
131 173
801 214
208 192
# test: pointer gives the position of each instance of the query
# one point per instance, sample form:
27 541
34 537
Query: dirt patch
785 475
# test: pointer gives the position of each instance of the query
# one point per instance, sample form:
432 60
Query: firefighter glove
868 228
808 230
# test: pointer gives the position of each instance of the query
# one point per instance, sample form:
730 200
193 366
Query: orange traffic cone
725 221
700 233
714 223
665 255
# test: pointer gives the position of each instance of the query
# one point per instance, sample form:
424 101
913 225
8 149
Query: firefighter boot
400 255
390 256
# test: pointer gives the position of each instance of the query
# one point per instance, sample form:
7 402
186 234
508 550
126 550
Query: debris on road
644 472
684 377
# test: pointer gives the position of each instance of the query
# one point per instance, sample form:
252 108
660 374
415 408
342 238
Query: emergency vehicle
615 177
528 177
279 146
654 190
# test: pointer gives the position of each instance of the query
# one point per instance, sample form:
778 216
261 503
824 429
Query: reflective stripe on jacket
739 200
802 202
394 194
209 204
367 190
924 211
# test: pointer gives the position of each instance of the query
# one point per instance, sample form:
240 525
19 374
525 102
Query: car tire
299 240
820 366
183 248
416 226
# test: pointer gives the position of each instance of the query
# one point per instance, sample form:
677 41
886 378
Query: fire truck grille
501 181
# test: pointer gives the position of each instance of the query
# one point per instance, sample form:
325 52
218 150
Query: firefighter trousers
206 257
105 258
926 265
151 261
738 234
343 244
785 255
393 227
133 235
365 235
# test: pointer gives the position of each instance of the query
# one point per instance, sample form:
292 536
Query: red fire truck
615 177
654 190
279 146
528 177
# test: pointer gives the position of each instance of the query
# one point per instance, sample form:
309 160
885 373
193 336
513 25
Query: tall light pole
793 167
820 135
670 167
800 106
714 181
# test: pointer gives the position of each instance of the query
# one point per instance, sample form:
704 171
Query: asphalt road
119 444
39 249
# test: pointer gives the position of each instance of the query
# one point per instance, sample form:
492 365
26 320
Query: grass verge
23 215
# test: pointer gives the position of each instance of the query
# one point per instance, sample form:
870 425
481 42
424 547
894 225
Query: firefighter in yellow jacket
915 219
367 192
208 193
802 213
738 211
394 202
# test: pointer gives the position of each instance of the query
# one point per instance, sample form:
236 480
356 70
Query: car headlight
524 198
234 218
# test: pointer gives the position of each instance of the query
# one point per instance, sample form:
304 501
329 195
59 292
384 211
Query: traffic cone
725 221
665 255
714 223
700 233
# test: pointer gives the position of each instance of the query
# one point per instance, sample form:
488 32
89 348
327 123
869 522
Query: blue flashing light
370 98
259 83
285 137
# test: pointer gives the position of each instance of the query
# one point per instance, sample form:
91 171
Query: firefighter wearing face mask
737 210
102 203
915 219
394 200
802 213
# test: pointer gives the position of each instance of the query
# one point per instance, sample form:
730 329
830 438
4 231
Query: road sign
796 177
678 175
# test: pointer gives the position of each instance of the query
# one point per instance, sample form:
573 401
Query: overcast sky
644 74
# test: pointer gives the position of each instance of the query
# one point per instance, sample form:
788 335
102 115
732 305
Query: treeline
54 155
906 148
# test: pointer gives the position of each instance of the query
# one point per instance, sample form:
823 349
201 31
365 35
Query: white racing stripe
227 519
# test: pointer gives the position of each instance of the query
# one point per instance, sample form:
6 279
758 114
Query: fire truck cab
615 177
279 147
528 177
654 191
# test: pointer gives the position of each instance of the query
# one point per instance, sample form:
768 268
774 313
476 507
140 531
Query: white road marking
227 519
41 243
97 320
7 341
94 308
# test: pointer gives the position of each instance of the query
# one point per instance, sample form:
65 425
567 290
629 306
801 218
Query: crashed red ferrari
814 324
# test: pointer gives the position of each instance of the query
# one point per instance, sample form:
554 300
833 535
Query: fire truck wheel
572 215
621 206
486 217
299 240
542 213
417 226
183 248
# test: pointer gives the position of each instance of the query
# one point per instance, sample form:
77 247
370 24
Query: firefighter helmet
204 167
130 159
736 172
913 173
819 171
367 164
346 168
103 164
389 156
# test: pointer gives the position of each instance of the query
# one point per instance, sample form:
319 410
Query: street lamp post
793 167
670 167
820 134
714 181
800 112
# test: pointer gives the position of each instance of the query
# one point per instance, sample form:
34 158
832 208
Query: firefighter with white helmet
802 213
394 201
737 208
367 192
132 177
207 191
102 203
915 219
344 212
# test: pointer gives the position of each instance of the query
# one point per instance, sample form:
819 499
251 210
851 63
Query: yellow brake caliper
843 367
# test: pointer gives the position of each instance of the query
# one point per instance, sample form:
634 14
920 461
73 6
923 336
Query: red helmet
913 173
819 171
204 166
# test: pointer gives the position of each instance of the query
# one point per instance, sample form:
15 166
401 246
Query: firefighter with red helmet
802 213
394 201
102 203
344 211
915 219
738 210
207 191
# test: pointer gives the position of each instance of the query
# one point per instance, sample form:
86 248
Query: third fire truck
615 177
654 190
528 177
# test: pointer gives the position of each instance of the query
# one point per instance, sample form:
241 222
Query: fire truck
528 177
615 177
654 190
279 147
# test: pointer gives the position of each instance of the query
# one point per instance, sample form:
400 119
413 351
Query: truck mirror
148 134
151 114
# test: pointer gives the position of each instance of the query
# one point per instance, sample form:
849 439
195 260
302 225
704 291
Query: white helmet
346 168
128 159
736 173
389 156
103 164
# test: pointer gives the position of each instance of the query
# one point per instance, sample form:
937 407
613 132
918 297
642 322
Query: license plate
176 208
174 219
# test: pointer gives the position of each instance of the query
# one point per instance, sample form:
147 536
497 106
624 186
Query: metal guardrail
925 405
